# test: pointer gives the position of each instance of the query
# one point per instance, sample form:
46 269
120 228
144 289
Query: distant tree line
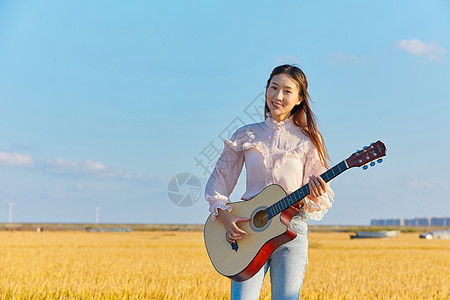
444 221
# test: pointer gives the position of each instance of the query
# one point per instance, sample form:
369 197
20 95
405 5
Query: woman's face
282 95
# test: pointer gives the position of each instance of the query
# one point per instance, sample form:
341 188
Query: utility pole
97 210
10 205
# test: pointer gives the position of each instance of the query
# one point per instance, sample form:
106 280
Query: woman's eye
273 87
288 92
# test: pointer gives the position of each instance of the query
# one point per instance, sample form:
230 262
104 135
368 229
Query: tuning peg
365 167
380 160
372 164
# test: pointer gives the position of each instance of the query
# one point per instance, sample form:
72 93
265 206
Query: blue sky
104 102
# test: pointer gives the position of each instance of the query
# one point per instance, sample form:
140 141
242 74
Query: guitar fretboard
304 191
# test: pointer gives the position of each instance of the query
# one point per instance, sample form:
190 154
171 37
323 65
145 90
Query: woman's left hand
317 186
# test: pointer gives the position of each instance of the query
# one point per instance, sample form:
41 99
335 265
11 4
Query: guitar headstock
367 155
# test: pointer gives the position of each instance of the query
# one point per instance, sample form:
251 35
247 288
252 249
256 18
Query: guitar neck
304 191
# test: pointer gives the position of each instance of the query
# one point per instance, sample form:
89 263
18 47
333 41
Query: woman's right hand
230 221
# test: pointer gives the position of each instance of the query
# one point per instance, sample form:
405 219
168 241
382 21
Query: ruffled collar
278 125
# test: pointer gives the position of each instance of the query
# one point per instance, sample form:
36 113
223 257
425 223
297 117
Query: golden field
175 265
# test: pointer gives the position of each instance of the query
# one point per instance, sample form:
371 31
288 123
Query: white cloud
428 186
415 183
15 159
61 163
288 59
431 51
340 57
86 187
64 167
61 167
93 165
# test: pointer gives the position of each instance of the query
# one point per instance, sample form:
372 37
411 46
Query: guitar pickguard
234 245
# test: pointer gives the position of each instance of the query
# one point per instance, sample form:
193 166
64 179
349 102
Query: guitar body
263 236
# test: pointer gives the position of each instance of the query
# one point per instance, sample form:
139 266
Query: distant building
442 222
410 222
438 221
423 221
378 222
394 222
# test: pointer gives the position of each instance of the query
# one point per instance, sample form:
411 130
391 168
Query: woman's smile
276 104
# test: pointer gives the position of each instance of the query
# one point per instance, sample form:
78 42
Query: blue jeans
287 266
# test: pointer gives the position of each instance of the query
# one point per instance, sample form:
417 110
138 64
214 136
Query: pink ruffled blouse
273 152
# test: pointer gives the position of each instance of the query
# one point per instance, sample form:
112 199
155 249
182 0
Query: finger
312 190
243 220
235 237
323 184
229 239
313 179
237 231
313 186
318 186
232 235
321 180
236 228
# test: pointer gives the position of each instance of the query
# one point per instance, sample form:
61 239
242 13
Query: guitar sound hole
260 219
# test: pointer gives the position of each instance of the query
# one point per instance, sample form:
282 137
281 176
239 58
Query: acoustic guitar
270 213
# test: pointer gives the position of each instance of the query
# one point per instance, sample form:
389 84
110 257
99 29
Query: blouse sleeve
225 175
318 208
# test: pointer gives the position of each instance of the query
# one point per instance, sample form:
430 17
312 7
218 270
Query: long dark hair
303 117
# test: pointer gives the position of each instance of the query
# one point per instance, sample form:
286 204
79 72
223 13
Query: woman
285 149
